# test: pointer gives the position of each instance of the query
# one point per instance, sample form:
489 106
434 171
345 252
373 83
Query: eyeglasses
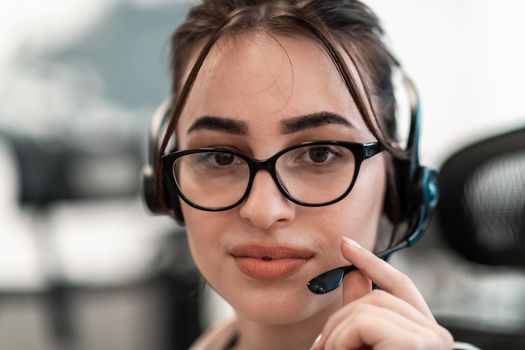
313 173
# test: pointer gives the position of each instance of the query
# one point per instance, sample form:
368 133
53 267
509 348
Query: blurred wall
467 58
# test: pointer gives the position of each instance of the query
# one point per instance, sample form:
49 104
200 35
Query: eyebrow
214 123
313 120
288 126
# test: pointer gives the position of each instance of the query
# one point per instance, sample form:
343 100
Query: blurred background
82 266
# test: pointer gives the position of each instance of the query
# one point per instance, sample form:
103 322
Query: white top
220 338
217 338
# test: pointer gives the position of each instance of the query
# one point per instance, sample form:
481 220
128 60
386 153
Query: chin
277 305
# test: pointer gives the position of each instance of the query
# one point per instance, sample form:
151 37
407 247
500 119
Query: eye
320 154
217 160
223 159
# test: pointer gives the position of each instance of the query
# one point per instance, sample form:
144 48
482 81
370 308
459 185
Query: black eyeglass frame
361 152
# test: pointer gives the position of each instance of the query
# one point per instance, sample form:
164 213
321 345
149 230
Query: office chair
481 216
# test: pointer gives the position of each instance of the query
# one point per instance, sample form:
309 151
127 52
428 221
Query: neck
297 336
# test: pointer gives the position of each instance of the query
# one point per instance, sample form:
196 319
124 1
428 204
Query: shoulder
217 338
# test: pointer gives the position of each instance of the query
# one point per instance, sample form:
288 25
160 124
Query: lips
270 261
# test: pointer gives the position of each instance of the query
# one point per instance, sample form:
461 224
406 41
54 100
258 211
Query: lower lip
268 270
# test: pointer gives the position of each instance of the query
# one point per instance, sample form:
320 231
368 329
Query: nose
266 207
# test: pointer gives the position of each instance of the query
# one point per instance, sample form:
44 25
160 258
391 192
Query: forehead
261 78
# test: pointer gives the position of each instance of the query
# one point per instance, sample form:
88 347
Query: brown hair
340 27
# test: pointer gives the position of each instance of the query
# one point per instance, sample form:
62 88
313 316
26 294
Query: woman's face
262 83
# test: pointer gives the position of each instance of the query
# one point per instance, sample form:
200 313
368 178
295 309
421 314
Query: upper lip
273 251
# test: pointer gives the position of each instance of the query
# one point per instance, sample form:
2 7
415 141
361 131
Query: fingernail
351 242
316 342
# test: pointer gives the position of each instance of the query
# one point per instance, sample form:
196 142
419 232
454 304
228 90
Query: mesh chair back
482 205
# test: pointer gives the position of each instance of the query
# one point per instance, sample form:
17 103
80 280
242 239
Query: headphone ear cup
177 212
149 192
149 182
426 189
428 178
407 191
151 198
173 200
424 198
397 195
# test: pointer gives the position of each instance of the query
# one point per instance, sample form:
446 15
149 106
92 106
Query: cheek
203 238
208 234
366 201
358 215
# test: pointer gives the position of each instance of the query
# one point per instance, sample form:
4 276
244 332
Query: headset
416 185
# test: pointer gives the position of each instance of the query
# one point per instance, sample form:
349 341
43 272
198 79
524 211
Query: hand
395 317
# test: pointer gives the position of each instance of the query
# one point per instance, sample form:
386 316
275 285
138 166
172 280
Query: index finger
355 286
384 275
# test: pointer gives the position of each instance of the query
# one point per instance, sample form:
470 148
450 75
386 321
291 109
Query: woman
259 80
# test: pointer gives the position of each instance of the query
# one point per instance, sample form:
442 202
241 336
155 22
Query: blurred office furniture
112 293
482 218
82 267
